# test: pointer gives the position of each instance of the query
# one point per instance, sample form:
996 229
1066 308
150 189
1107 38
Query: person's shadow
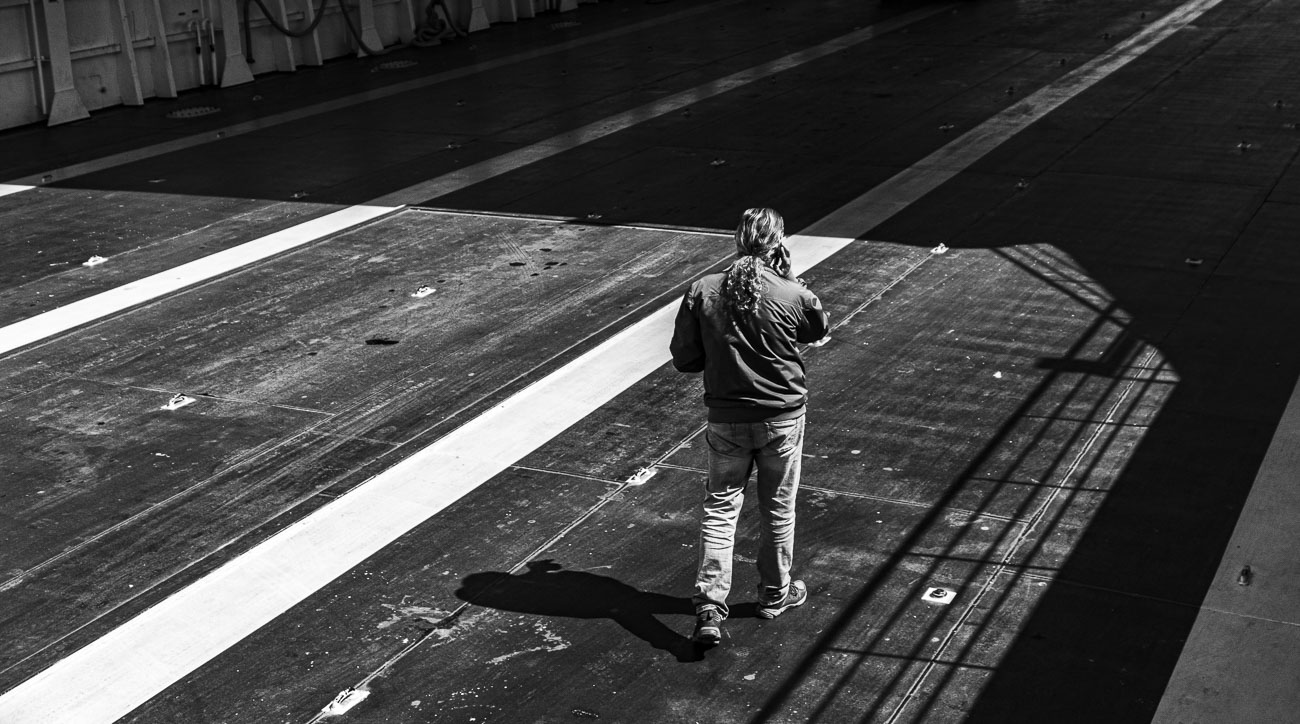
546 589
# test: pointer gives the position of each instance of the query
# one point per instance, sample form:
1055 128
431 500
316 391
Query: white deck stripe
180 144
125 668
932 171
613 124
90 309
6 189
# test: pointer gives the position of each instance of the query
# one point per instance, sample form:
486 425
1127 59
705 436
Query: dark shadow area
546 589
1101 642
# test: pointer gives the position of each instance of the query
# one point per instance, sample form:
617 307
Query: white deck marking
90 309
6 189
128 666
560 143
101 305
871 209
180 144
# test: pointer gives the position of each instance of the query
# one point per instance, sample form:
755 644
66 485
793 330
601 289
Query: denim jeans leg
779 462
730 462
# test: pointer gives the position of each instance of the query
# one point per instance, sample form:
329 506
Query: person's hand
781 262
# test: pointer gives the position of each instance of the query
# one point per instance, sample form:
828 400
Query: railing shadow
1107 377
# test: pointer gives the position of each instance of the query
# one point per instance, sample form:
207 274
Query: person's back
742 328
752 367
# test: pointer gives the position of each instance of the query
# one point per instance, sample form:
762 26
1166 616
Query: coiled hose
435 26
320 13
428 34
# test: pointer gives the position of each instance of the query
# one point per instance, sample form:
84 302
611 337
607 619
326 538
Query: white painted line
87 310
569 140
6 189
180 144
872 209
90 309
128 666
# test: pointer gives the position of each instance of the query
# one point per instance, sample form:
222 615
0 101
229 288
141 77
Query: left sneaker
708 627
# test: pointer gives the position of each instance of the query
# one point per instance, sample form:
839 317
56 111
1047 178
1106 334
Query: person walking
742 328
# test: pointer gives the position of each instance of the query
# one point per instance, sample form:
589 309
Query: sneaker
797 594
708 627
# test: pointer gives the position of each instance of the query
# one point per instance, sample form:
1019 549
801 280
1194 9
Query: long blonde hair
759 233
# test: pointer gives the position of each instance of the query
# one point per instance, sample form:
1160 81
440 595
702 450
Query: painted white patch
552 642
6 189
940 596
642 476
344 702
178 401
404 613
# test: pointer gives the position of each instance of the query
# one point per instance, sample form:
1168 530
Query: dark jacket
752 367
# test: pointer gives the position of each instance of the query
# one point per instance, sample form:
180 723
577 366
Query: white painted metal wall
61 59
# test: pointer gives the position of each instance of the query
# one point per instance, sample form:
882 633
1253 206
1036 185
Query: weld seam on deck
1035 484
687 468
906 657
1252 617
566 474
485 213
1022 573
355 438
204 396
907 503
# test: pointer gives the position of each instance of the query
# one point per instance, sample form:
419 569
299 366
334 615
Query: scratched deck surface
1059 419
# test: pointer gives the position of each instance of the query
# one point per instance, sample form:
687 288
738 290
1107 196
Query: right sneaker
708 627
796 596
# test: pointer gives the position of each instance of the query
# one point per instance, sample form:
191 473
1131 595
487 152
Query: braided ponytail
760 232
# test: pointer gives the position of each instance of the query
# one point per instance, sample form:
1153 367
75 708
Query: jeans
735 450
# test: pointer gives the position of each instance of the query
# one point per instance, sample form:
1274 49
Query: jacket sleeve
687 347
815 323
